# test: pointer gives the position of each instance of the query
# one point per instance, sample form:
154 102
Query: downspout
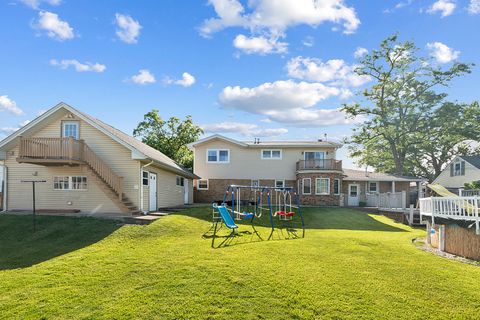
141 186
5 179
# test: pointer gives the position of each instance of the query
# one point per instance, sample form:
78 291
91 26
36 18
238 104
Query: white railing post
411 215
404 199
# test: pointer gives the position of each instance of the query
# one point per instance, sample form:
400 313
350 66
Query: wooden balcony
67 151
319 164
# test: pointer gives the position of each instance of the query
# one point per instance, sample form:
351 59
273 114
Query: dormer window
457 168
70 129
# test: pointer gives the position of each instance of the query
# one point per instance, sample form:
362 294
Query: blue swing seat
247 215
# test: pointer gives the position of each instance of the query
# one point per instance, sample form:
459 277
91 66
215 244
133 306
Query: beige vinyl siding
168 193
111 152
91 200
471 174
246 162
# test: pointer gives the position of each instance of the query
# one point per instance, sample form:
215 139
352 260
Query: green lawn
350 265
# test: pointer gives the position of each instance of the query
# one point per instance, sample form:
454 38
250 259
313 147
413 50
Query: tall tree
398 107
170 137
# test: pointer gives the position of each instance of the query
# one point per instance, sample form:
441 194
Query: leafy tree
398 108
474 185
170 137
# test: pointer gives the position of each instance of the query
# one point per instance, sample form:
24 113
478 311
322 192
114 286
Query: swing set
250 202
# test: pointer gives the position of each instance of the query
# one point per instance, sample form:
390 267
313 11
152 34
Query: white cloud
269 19
442 53
308 41
287 102
54 26
474 7
128 29
34 4
260 45
143 77
360 52
244 129
335 71
186 81
445 7
10 130
7 104
80 67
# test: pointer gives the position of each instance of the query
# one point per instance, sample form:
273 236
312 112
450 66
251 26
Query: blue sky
242 69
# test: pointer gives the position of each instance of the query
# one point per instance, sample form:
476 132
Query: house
89 166
461 170
311 167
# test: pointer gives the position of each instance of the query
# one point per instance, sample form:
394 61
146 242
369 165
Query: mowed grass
350 265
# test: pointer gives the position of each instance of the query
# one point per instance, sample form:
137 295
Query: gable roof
361 175
270 144
473 160
143 151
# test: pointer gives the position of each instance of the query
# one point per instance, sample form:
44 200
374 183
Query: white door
153 191
353 195
185 191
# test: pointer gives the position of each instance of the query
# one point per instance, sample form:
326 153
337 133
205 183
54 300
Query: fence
389 200
468 193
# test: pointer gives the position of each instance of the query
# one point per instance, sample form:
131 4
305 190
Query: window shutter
451 169
462 168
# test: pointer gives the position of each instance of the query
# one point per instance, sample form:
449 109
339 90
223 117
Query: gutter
141 185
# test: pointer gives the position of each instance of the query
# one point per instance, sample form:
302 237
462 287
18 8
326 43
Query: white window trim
70 183
252 180
271 153
373 182
303 186
316 186
314 151
218 156
283 181
198 184
147 178
339 186
76 123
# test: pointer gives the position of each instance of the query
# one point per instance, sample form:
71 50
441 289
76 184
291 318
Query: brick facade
315 199
217 187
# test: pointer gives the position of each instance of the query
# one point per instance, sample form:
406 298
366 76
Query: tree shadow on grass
314 218
20 247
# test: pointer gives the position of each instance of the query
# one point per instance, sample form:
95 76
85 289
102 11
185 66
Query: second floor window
218 156
457 168
70 129
272 154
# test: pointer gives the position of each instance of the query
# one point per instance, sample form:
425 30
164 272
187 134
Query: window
202 184
70 129
218 156
457 168
307 186
279 183
60 183
336 186
314 159
373 187
271 154
70 183
322 186
180 181
145 178
255 183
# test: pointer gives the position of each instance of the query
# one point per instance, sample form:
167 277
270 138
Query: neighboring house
309 166
461 170
88 166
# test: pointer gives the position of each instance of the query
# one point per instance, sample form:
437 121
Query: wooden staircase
68 151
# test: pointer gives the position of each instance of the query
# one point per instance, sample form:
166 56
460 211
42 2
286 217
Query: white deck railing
457 208
389 200
468 193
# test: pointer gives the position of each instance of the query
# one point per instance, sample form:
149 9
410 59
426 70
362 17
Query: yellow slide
441 190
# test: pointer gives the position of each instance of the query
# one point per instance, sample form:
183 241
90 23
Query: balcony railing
319 164
62 151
